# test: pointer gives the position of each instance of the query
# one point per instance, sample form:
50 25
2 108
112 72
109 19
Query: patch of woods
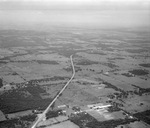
84 120
145 65
139 72
97 52
2 62
114 107
121 94
109 85
86 62
54 78
1 83
77 69
144 116
117 58
54 113
140 90
27 98
21 122
136 50
68 69
127 74
47 62
124 94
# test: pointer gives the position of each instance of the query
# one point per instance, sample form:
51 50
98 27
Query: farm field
112 67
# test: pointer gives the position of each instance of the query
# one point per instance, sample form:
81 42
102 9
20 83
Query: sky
74 4
78 13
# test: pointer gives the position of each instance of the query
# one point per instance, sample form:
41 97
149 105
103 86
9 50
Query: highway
42 116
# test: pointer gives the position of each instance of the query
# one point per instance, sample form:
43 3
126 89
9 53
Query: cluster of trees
86 121
139 72
86 62
144 116
81 119
109 85
21 122
1 83
51 114
15 100
54 78
108 124
145 65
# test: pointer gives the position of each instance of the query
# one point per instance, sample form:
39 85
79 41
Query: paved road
42 116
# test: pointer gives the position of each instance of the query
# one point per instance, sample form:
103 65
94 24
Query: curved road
42 116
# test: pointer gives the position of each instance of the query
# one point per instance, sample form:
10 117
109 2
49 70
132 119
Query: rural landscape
108 75
74 63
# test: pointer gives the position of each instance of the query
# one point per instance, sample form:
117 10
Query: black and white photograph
74 63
